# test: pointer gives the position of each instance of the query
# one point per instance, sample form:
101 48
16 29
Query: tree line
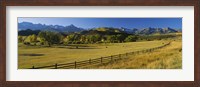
49 38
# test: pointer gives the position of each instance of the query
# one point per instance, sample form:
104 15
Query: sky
108 22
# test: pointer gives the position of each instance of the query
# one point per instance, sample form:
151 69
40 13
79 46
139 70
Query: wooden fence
101 60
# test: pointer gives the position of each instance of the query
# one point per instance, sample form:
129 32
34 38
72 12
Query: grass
169 57
41 56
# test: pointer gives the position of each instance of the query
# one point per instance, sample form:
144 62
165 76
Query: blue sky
108 22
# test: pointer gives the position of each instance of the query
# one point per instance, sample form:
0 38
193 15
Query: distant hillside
43 27
103 31
28 32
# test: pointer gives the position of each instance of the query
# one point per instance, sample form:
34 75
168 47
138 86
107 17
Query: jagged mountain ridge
148 31
106 30
43 27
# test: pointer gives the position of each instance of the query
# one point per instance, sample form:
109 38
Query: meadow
41 55
169 57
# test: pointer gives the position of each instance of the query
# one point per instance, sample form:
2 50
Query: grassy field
169 57
41 56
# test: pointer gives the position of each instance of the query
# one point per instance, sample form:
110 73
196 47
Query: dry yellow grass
169 57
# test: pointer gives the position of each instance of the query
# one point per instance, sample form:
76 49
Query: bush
27 43
65 43
131 38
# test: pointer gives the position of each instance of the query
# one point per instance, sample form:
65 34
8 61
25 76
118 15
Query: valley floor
169 57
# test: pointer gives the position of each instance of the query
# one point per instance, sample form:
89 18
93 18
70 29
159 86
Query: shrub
27 43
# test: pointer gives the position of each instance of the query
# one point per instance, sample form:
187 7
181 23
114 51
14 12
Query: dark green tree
50 37
20 39
111 38
120 37
131 38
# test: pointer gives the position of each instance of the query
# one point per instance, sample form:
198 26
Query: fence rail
101 60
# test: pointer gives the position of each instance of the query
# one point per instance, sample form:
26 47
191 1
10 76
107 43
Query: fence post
119 56
33 67
75 64
90 61
56 66
111 58
101 60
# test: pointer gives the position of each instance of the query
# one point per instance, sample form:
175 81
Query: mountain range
43 27
23 26
150 30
